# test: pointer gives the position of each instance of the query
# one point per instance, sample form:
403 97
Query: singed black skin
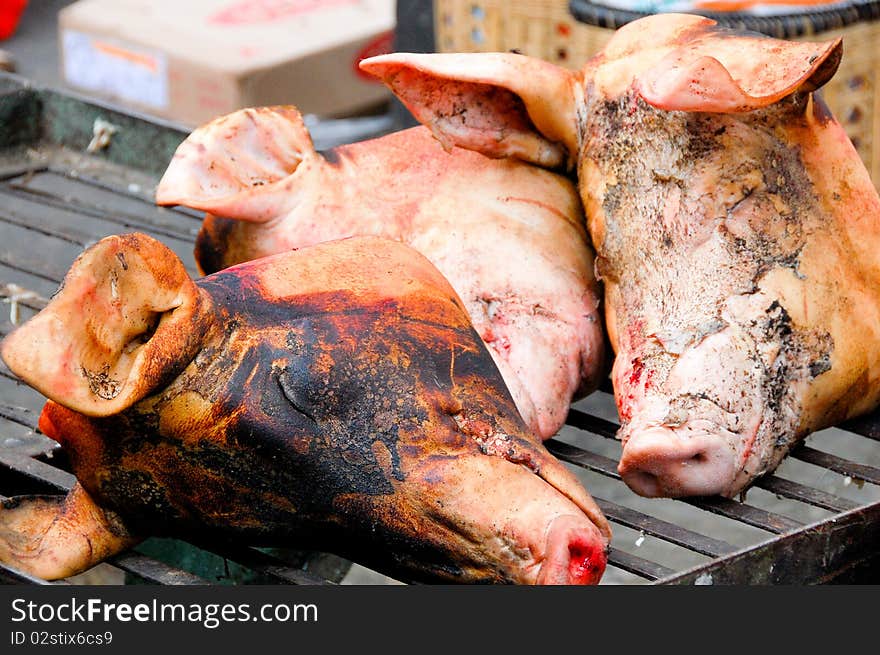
299 422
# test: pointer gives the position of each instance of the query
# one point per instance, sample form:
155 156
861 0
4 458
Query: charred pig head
334 397
511 238
737 231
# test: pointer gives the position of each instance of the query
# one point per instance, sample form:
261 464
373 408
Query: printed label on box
133 74
247 12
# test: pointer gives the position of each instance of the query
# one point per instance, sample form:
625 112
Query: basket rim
780 25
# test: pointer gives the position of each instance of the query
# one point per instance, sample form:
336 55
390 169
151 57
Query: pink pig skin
510 237
736 231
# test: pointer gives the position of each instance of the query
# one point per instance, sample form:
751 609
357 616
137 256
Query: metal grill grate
817 519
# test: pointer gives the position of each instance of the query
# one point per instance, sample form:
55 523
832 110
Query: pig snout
523 520
573 555
660 462
690 429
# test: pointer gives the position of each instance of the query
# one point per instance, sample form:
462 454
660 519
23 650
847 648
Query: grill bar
641 567
591 423
50 263
154 571
261 562
68 225
584 458
663 529
60 228
55 479
22 415
61 193
9 172
837 464
742 512
110 198
804 494
747 514
866 426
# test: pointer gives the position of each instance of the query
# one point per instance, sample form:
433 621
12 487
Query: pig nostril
574 553
586 563
643 483
657 463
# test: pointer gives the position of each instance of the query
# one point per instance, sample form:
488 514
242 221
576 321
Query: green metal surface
39 116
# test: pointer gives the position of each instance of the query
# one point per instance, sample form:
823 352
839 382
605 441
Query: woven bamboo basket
569 33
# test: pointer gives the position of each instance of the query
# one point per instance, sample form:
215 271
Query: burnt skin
325 420
448 205
213 242
318 378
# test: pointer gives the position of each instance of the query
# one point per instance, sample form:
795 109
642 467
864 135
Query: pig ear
499 104
126 319
726 72
230 166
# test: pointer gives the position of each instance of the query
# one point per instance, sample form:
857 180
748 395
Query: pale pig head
735 226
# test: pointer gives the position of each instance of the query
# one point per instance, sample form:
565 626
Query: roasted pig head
510 238
334 397
736 228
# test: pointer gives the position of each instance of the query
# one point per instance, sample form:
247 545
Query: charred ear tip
830 51
826 63
835 50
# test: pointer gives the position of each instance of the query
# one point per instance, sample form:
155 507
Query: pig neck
374 187
383 182
691 214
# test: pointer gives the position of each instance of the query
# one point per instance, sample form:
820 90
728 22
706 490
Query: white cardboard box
192 60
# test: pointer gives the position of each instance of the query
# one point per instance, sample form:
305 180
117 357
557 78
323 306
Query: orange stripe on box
138 58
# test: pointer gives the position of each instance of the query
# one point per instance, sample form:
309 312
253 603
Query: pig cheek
631 381
474 530
186 414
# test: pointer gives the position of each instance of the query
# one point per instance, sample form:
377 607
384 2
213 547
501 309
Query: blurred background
189 62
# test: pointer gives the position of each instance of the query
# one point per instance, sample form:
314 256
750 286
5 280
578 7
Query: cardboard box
193 60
